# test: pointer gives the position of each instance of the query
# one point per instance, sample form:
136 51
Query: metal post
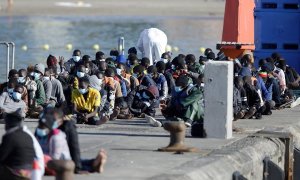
13 54
121 46
7 58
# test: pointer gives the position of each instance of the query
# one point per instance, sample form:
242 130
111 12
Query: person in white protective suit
152 43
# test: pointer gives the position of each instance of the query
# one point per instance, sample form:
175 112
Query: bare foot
100 161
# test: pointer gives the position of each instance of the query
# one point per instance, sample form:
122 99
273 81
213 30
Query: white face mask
80 74
83 91
164 60
100 81
119 71
17 96
87 70
76 58
10 90
47 78
21 79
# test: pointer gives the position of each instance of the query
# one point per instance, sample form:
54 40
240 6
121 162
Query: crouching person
86 102
186 105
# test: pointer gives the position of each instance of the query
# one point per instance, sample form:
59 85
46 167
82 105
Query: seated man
145 80
10 102
145 101
160 81
185 104
86 101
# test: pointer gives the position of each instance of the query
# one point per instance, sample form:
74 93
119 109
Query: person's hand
61 60
163 106
86 117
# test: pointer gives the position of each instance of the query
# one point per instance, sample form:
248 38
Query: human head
181 64
84 84
145 62
262 62
14 119
271 61
165 57
110 62
81 71
11 84
202 60
99 55
109 72
39 71
181 83
18 91
211 56
138 71
161 67
121 70
246 60
13 74
276 56
47 72
76 55
22 76
132 59
86 61
100 75
190 59
282 64
132 50
207 51
152 71
95 82
51 61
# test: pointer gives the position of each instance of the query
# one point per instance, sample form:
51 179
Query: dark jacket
69 128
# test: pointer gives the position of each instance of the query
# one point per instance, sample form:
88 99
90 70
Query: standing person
74 62
152 43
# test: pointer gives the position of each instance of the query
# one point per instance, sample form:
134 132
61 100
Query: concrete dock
132 144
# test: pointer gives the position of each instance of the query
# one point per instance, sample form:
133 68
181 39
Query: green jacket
198 68
187 104
40 96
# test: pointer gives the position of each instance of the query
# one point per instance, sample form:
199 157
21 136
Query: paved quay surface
131 145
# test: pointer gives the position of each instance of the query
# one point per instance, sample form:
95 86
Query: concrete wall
218 94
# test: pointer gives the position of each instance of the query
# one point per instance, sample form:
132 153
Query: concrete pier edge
246 155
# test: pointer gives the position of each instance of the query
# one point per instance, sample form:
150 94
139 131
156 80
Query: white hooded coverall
152 43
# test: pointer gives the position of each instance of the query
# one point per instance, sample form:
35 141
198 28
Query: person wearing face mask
86 102
11 102
12 74
39 99
10 89
145 101
81 72
161 82
96 82
132 61
185 104
90 68
44 76
99 57
19 150
52 140
145 80
29 84
131 82
72 64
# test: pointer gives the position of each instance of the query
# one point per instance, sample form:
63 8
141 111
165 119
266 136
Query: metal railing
10 59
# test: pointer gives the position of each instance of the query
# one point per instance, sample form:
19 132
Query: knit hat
121 59
94 82
51 60
40 68
263 74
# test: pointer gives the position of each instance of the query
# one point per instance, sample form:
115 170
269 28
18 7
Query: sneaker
187 124
295 103
153 122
